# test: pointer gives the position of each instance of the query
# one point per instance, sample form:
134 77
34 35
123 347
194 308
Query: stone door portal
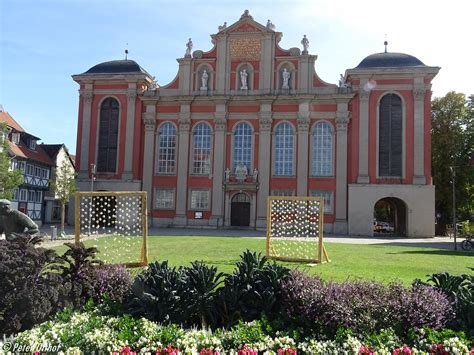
240 210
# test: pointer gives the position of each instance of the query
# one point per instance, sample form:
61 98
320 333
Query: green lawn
348 261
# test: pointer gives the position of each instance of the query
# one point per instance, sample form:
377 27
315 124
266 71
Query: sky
44 42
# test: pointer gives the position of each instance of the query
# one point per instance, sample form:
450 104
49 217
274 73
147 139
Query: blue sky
44 42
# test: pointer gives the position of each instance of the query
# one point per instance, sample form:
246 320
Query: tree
9 179
452 135
64 186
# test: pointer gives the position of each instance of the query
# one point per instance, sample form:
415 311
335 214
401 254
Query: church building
249 119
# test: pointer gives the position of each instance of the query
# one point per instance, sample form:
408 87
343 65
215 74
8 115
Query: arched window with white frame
242 151
322 155
166 157
284 150
202 137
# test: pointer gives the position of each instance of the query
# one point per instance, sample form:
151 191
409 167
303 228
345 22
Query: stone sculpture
14 223
305 43
286 77
243 79
189 48
204 79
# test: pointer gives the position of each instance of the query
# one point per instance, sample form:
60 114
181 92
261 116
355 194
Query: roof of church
126 66
389 60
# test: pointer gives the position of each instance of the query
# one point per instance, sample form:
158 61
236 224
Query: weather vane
385 43
126 51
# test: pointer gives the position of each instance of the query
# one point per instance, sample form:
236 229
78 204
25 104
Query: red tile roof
5 117
20 150
38 154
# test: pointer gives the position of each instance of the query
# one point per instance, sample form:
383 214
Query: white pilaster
363 177
87 95
131 99
303 151
264 153
183 155
418 146
149 121
220 128
342 120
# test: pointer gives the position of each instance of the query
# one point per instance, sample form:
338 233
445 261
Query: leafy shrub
200 295
157 294
364 307
194 296
253 290
460 289
111 282
77 270
31 288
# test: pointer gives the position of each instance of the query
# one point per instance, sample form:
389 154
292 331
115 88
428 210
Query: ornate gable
246 24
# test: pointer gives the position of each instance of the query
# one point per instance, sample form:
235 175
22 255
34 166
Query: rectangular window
200 199
37 171
32 144
31 195
327 196
164 199
16 138
283 192
30 169
16 194
23 195
38 196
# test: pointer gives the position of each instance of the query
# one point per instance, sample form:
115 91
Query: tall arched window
166 163
322 150
202 149
108 136
390 136
243 145
284 149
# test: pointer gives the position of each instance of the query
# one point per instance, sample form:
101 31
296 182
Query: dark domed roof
389 60
117 67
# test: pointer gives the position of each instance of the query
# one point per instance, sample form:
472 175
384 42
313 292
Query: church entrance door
240 210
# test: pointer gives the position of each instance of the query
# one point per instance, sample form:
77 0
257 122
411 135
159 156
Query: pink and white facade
248 119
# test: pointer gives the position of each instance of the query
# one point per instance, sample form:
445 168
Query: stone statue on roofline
305 43
15 223
189 48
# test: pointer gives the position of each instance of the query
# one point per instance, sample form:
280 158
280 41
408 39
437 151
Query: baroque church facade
249 119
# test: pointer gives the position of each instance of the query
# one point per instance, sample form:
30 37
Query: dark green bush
157 294
253 290
460 289
31 286
195 295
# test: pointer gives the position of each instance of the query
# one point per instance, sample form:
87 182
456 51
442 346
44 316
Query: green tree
9 180
453 146
64 186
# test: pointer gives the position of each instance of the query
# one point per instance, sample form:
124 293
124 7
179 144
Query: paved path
435 242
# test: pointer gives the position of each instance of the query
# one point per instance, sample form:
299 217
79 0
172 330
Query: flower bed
90 331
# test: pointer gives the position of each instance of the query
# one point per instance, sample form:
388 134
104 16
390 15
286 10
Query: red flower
247 351
168 350
126 350
205 351
365 350
288 351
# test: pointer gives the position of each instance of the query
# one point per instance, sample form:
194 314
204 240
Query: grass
348 261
